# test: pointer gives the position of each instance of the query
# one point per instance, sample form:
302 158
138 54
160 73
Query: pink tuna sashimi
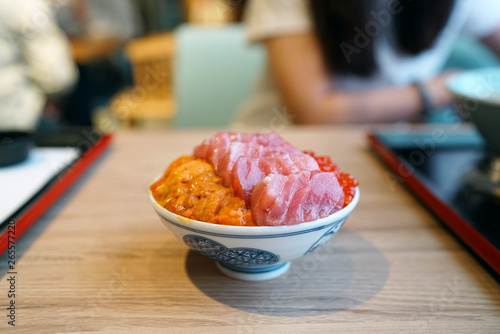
237 150
245 175
234 152
212 149
273 139
268 139
278 212
325 190
247 171
296 198
290 164
264 197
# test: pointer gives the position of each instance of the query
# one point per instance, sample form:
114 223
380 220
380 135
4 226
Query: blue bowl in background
478 97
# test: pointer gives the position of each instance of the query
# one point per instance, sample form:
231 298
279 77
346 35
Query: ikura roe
347 182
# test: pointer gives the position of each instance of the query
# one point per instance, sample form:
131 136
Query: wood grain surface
102 262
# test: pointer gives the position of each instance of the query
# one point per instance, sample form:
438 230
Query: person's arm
492 40
305 87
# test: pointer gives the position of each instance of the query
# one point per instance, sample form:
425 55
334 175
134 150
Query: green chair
213 73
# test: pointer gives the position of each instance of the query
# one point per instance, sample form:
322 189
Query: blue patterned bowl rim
252 230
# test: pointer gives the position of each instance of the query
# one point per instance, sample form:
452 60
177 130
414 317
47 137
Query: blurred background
149 63
142 63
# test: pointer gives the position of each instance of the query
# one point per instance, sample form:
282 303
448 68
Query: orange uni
191 188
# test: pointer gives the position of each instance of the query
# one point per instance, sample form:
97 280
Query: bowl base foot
254 274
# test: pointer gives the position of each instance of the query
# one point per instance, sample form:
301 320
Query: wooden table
105 263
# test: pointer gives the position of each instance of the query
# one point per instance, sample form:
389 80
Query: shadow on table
345 272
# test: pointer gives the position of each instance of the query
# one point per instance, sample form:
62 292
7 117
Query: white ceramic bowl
253 253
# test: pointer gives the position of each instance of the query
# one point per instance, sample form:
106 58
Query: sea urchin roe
191 188
347 182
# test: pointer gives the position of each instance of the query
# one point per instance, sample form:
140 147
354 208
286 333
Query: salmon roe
347 182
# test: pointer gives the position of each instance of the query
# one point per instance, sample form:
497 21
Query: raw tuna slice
290 164
276 215
245 175
233 153
237 150
325 190
247 171
212 149
296 198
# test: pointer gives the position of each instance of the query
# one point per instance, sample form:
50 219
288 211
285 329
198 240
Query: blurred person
35 62
352 61
101 26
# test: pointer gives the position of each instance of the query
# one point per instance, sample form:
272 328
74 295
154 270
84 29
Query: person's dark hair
346 28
